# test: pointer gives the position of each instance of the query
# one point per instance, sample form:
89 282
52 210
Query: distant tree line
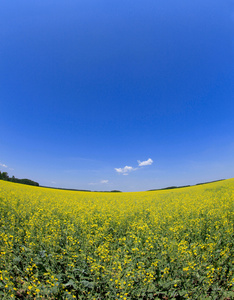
5 176
183 186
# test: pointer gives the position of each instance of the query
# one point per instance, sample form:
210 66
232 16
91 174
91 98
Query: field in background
175 244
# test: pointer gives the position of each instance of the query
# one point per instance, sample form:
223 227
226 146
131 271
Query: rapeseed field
171 244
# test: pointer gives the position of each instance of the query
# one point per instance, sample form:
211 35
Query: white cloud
3 165
147 162
104 181
125 170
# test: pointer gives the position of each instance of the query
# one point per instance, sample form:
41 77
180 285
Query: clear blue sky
90 87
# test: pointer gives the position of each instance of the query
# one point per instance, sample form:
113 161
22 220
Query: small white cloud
104 181
125 170
147 162
3 165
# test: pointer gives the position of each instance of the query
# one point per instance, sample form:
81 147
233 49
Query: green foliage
4 176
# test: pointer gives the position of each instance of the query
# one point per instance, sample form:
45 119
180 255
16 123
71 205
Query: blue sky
90 87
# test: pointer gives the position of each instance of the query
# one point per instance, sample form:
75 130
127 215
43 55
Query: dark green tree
5 176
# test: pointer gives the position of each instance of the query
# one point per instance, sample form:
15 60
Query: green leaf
87 284
70 283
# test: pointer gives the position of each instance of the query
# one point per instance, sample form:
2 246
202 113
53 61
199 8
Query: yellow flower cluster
87 245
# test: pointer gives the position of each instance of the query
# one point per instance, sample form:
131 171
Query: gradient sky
90 87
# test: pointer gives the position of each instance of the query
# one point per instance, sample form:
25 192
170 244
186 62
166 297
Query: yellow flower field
169 244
